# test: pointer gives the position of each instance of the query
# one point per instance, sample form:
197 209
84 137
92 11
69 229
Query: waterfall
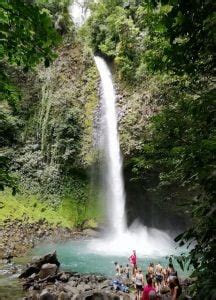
119 240
114 187
78 12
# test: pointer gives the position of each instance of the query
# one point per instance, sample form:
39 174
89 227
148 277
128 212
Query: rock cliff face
137 104
57 134
53 154
54 157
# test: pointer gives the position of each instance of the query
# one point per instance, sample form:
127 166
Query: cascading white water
114 187
78 12
119 240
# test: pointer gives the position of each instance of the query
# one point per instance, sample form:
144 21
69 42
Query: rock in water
44 281
35 267
48 258
29 271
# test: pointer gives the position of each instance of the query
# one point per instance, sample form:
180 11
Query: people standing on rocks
158 276
121 270
139 282
162 283
133 261
150 270
127 271
117 268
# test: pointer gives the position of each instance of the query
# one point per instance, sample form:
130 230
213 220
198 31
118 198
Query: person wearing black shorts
139 281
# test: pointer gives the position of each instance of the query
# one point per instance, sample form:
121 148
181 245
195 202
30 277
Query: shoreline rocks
43 266
43 280
18 237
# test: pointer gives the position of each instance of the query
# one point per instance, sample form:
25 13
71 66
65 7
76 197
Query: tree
27 37
173 43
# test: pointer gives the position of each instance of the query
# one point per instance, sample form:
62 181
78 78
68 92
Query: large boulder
47 270
29 271
50 258
82 287
35 267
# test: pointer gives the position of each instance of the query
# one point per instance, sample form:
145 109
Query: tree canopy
173 42
169 35
28 37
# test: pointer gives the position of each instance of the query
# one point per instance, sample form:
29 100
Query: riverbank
10 287
44 279
26 220
22 239
18 238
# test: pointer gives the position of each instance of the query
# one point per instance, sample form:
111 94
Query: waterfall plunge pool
79 256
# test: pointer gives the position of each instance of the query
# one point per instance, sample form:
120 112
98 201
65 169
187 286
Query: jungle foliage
154 36
28 37
172 41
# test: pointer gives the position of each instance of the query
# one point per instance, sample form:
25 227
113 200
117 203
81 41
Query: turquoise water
75 256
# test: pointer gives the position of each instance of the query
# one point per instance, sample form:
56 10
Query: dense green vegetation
31 208
44 119
27 37
171 43
149 36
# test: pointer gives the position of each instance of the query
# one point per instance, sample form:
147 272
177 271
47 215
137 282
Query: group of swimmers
161 283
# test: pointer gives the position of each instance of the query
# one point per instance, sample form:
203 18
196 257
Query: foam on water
146 241
75 255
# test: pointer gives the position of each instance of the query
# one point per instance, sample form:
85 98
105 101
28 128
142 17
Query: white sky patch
79 12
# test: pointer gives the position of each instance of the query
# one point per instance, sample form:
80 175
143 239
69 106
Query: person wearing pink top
133 261
149 291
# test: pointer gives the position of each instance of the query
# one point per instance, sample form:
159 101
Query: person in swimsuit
150 270
139 281
158 276
133 261
148 289
117 268
127 271
121 270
